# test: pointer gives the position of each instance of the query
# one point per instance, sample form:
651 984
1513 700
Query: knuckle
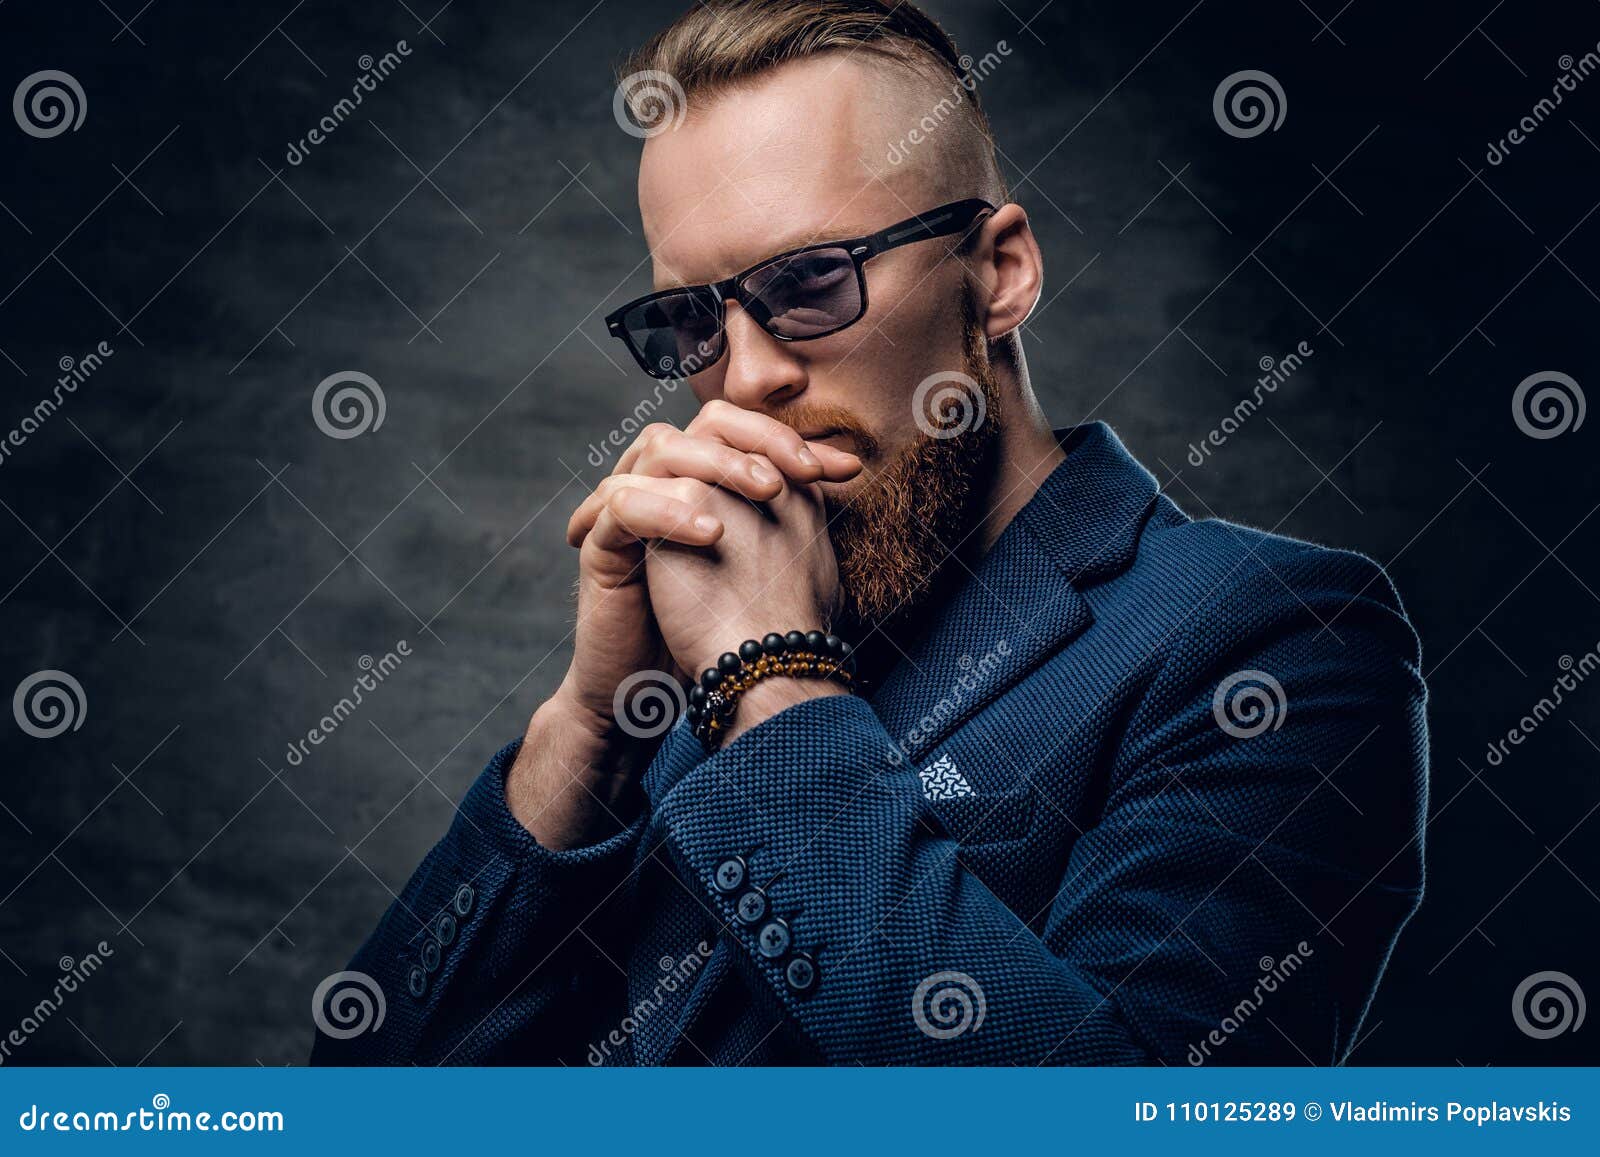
728 459
608 488
653 434
715 410
686 490
621 500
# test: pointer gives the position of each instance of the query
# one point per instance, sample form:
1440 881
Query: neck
1026 452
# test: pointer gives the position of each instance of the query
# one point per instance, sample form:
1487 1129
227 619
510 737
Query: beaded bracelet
804 655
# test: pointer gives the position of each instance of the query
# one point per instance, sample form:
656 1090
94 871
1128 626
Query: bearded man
989 753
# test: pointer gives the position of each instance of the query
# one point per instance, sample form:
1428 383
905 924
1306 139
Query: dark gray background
185 542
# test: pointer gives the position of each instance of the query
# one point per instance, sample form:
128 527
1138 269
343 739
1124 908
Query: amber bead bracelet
714 699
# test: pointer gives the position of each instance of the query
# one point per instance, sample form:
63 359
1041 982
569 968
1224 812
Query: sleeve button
801 973
729 876
773 939
752 907
417 981
462 902
430 955
445 929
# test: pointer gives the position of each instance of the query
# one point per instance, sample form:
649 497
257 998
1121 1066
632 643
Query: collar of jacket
1022 602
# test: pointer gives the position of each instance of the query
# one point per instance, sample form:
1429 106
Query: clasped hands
727 517
699 539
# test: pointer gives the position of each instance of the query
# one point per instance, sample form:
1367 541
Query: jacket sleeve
1242 884
493 952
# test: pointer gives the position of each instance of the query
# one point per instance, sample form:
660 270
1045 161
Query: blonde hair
718 44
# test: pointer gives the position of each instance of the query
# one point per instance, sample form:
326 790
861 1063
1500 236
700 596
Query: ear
1012 270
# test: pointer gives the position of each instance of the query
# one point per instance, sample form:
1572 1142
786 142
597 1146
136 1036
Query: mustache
815 417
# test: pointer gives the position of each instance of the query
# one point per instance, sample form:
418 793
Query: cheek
881 382
875 366
919 319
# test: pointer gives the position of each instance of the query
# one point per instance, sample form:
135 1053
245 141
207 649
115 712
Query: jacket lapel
1023 601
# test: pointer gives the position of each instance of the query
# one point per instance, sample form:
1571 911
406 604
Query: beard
895 530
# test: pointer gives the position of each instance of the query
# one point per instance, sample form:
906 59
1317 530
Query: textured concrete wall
183 539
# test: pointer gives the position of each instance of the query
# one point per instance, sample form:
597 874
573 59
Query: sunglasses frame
940 221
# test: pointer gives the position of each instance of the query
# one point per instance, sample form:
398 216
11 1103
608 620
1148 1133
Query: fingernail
807 458
763 474
705 523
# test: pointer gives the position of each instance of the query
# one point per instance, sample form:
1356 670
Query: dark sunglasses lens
806 295
676 335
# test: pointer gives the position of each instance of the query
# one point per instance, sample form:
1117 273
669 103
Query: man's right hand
583 750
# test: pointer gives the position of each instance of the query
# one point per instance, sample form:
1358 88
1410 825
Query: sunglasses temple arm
940 222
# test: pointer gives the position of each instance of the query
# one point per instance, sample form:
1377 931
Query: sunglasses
802 294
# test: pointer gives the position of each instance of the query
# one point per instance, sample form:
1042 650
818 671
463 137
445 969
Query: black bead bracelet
714 698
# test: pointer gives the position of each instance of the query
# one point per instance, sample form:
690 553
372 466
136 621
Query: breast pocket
974 807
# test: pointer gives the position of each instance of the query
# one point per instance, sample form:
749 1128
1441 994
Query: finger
588 512
583 518
837 465
634 515
760 433
647 438
678 455
686 491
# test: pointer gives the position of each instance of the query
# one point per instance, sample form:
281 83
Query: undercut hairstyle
717 45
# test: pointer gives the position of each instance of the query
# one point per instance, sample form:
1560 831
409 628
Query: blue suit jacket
1149 788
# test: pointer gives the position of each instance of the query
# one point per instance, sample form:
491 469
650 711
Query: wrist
572 781
581 727
717 708
771 696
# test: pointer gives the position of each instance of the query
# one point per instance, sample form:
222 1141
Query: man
1098 784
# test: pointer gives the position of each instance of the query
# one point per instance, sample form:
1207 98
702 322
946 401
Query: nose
761 371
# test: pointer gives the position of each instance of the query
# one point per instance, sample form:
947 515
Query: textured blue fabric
1115 875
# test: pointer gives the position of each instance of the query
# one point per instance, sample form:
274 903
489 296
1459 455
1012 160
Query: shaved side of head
928 130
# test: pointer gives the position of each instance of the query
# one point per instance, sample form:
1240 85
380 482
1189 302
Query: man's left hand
773 569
